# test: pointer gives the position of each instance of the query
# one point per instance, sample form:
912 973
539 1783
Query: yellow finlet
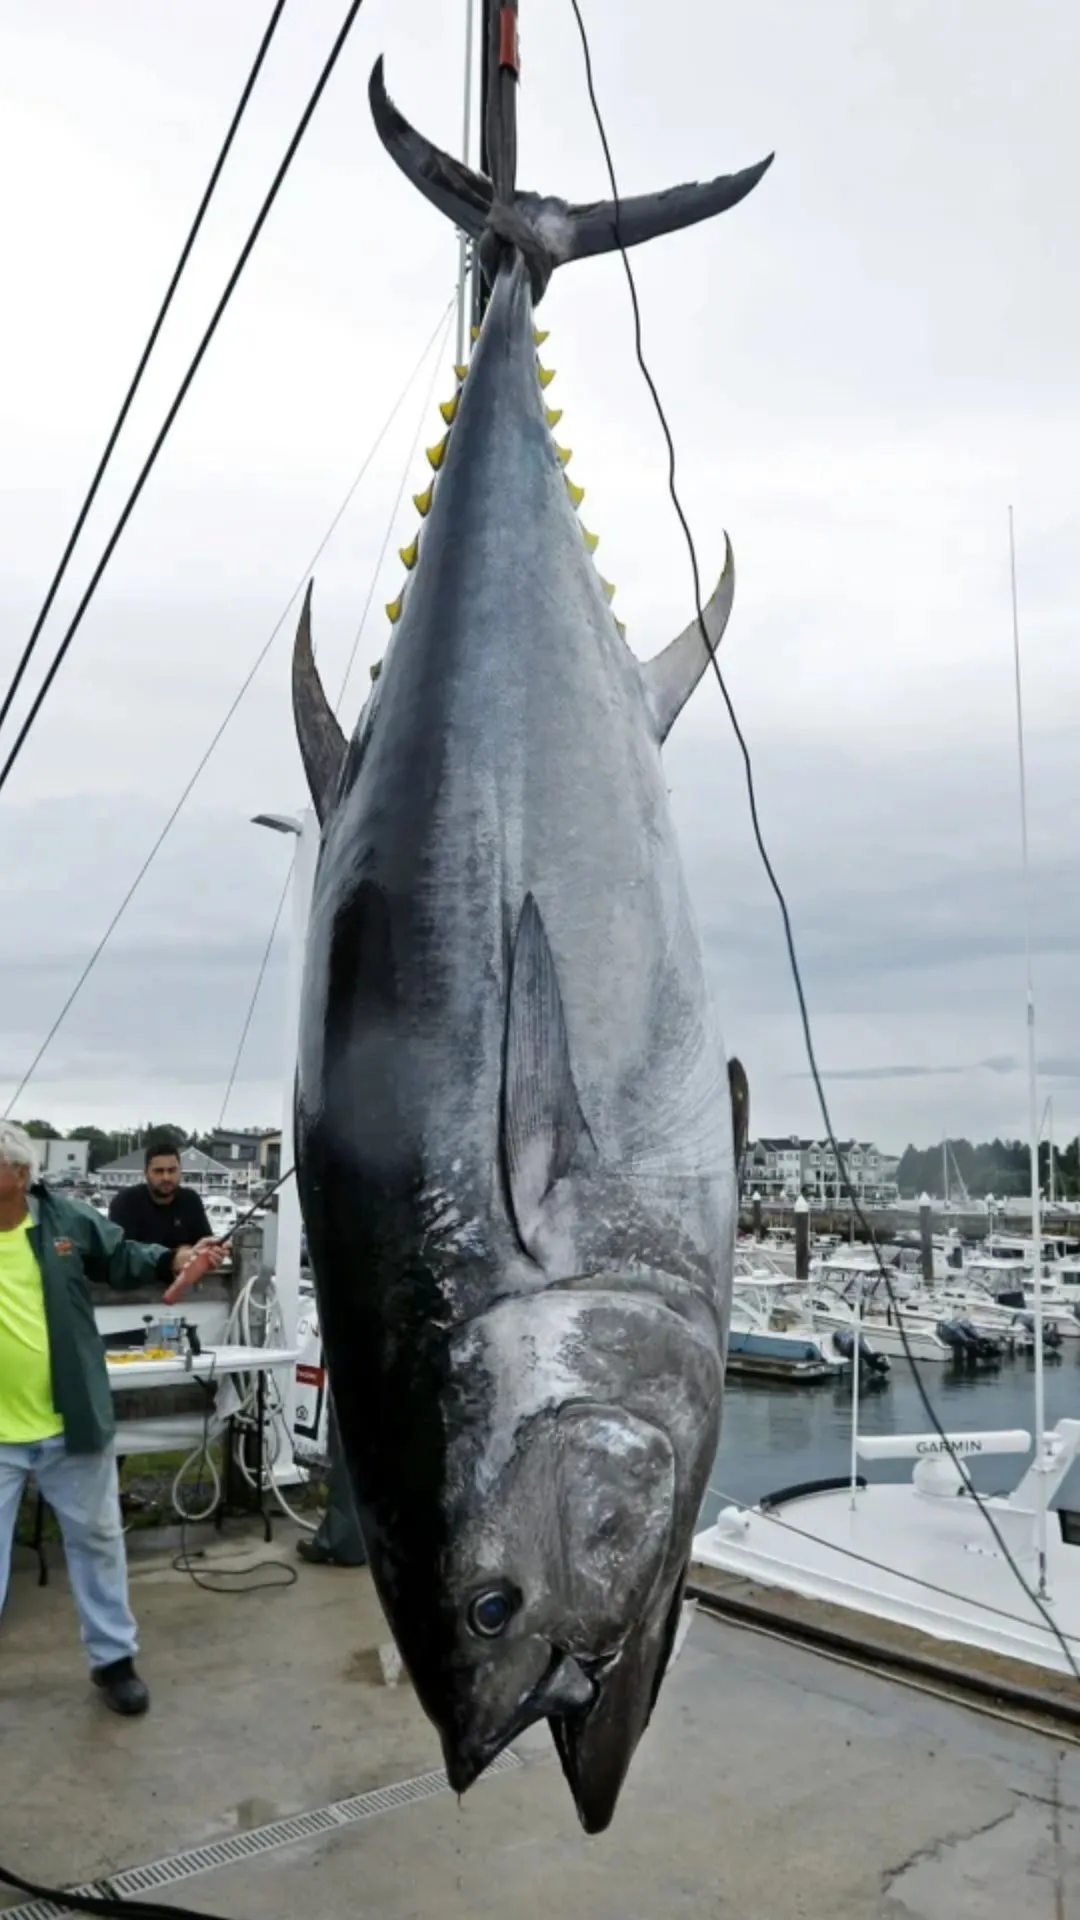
608 589
540 334
592 540
577 494
375 670
410 553
437 454
393 608
553 415
546 374
461 372
422 501
621 624
475 332
448 409
563 455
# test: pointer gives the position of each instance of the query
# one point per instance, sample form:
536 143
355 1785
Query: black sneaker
317 1555
121 1687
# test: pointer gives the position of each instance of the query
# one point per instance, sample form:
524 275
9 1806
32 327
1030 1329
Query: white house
780 1168
196 1170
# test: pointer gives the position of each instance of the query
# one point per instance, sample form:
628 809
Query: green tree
164 1130
103 1146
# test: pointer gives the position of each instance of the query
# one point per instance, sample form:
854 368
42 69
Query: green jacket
73 1244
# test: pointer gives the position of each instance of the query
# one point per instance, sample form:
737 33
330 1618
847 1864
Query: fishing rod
198 1266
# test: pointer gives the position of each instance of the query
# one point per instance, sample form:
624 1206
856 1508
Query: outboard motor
874 1364
967 1343
981 1346
956 1336
1051 1333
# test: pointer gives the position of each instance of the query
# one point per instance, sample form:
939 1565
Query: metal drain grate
136 1882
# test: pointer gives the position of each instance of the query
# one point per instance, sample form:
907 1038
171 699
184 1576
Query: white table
213 1363
217 1368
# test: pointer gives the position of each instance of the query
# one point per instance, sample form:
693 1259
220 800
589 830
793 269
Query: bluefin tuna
514 1118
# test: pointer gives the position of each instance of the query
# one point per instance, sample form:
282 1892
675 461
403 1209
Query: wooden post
926 1240
802 1239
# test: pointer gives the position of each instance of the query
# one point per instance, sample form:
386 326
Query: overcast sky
863 365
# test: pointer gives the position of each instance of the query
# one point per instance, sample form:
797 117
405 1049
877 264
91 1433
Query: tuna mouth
595 1745
569 1687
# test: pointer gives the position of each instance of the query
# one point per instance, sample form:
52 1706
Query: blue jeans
84 1493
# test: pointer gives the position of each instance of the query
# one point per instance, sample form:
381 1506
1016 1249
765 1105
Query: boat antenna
1033 1091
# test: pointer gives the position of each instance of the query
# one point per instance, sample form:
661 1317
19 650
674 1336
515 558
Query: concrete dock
773 1781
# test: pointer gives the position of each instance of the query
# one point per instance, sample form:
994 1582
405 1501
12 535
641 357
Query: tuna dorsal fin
670 678
322 744
543 1128
740 1110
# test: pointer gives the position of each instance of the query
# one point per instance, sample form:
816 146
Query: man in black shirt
160 1211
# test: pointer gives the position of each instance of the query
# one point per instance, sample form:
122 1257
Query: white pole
1033 1093
466 143
289 1222
855 1372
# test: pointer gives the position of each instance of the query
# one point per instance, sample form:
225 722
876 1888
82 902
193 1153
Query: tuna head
569 1531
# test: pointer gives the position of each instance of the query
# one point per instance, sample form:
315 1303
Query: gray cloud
861 366
880 1073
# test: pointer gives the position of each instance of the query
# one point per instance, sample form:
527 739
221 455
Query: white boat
222 1213
920 1552
971 1304
852 1294
772 1338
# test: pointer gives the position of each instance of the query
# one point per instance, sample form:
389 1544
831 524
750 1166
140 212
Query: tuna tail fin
548 232
322 744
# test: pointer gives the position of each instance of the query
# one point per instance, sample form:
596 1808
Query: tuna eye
490 1613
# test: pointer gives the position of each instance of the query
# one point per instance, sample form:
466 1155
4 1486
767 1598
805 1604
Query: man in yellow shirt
56 1417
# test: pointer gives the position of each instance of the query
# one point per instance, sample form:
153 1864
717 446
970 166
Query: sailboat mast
1033 1090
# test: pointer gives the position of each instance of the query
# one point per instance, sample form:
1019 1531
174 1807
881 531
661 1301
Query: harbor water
776 1434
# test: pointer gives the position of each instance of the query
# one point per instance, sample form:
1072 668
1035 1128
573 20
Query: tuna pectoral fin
322 744
671 677
543 1129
